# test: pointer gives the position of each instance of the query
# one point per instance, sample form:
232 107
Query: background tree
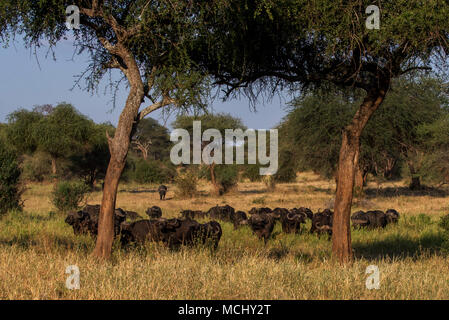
221 177
313 128
62 133
146 41
91 163
151 140
10 191
20 130
277 44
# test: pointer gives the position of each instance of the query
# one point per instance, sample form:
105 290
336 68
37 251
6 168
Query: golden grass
36 247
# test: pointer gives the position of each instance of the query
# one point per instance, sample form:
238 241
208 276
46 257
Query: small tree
151 140
68 196
221 122
91 162
10 191
62 133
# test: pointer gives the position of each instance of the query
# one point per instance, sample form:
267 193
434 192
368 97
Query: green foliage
151 140
251 172
63 132
311 132
68 195
90 164
21 128
36 167
9 181
444 223
186 182
151 172
227 177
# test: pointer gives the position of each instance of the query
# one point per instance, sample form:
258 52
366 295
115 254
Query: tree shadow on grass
253 191
398 247
389 192
56 242
139 191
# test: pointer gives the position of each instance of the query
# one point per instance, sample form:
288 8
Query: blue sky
26 81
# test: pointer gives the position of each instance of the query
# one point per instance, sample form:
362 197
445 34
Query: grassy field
36 246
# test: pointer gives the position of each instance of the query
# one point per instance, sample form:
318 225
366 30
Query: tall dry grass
36 247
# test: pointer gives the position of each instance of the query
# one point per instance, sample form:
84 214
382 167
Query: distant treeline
408 137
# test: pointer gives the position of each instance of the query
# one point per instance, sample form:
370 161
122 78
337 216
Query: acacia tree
151 139
313 127
144 40
282 43
220 122
61 133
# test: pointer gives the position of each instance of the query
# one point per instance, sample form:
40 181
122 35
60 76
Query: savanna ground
36 246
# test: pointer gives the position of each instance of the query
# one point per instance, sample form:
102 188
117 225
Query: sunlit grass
36 246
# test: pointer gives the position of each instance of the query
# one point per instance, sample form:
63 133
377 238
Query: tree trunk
53 166
416 181
359 180
347 164
118 146
213 179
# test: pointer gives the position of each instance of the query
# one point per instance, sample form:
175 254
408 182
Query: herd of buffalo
185 230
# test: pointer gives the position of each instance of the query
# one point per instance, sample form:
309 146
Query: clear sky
26 81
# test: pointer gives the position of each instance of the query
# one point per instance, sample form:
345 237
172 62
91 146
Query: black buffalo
392 216
279 213
191 214
239 218
79 221
370 219
209 232
223 213
86 220
154 212
291 222
162 192
139 232
262 225
322 222
260 211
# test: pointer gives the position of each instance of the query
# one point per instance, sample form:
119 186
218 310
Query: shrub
10 190
36 167
252 173
143 171
68 196
270 182
227 177
186 182
444 223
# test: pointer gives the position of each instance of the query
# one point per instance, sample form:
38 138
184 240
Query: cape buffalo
154 212
322 222
262 225
162 192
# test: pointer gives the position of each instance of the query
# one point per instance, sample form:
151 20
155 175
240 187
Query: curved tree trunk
347 164
118 146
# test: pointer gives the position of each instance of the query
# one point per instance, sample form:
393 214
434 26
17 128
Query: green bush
227 177
444 223
252 173
10 191
187 182
144 171
68 196
36 167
